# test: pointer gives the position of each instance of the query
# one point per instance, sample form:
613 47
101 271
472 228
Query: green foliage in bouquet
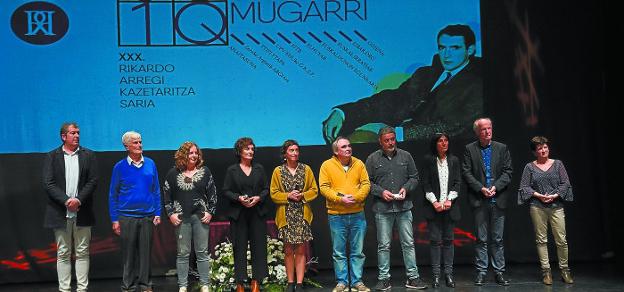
222 267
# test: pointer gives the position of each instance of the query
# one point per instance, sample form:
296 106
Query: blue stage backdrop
213 71
205 71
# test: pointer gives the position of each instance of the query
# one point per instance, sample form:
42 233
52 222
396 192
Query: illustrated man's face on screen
453 52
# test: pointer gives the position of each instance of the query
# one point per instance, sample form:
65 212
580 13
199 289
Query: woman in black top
246 187
190 200
441 184
545 185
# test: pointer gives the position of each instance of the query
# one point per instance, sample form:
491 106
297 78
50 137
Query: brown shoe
360 287
566 276
340 288
254 286
547 277
240 288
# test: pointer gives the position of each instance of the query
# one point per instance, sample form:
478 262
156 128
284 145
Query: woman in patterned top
190 199
545 185
293 186
441 184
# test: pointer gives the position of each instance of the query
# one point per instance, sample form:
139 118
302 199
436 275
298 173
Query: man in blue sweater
134 207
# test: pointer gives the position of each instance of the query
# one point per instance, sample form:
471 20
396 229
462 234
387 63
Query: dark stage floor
524 277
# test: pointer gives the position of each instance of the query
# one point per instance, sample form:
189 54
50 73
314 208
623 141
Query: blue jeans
384 222
192 229
348 229
490 224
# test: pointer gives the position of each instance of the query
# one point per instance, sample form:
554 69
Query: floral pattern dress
297 230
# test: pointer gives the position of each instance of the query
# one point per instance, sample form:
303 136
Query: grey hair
386 130
475 125
335 143
127 136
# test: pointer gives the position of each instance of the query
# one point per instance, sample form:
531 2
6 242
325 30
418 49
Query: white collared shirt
452 72
136 164
443 174
72 174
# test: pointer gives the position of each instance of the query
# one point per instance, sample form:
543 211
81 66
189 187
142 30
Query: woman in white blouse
441 184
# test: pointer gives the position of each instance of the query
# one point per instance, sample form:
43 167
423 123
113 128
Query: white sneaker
204 288
182 289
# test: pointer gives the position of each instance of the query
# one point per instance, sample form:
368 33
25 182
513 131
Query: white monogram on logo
39 21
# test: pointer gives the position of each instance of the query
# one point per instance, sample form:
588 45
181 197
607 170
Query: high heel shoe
255 287
240 288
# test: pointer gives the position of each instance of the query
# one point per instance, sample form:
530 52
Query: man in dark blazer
70 178
487 171
444 97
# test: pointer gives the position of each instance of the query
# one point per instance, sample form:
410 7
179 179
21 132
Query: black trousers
249 227
441 238
136 251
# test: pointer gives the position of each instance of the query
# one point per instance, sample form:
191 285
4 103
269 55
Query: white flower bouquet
222 267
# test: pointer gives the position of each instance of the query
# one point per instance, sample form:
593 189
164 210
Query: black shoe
449 281
299 287
500 279
435 283
383 285
290 287
479 280
415 283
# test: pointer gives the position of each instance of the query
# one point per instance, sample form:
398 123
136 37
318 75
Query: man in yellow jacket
344 184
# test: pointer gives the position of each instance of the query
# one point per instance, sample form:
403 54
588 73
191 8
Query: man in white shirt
70 178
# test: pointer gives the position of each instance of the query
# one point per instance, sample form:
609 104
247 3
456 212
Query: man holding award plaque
393 175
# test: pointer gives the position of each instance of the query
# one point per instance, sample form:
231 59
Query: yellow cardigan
333 179
280 196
